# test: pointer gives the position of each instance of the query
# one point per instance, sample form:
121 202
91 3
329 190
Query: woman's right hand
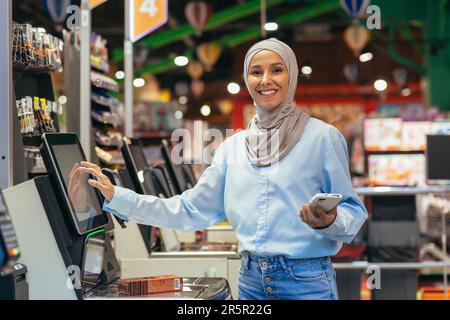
102 183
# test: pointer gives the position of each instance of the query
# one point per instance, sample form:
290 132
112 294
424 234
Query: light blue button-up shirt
262 204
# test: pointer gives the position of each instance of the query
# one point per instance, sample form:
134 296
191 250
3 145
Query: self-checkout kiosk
13 275
131 244
66 237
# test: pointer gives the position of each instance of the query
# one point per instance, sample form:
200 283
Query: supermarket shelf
34 141
153 135
220 228
395 191
375 152
38 170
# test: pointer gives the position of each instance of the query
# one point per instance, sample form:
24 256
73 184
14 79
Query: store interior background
384 96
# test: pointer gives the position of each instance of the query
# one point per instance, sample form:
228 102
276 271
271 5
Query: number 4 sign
146 16
95 3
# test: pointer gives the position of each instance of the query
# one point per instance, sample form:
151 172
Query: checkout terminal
63 233
149 181
13 282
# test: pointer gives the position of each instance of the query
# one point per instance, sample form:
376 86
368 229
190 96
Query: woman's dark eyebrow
256 66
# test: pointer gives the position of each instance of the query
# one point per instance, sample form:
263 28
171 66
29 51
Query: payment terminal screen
81 195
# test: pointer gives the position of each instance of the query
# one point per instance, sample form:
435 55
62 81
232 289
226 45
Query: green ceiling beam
249 34
217 20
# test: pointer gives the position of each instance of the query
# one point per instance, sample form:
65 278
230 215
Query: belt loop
245 260
283 262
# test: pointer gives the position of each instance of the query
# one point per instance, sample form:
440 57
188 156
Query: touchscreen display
81 195
138 157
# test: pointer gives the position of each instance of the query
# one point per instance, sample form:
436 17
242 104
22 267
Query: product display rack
105 124
105 121
34 59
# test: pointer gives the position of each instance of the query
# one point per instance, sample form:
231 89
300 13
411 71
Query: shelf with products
35 55
394 151
101 81
104 107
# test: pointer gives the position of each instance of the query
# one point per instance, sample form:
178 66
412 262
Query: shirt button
267 279
264 264
269 289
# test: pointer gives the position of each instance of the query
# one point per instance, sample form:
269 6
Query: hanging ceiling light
306 70
271 26
139 82
183 100
205 110
233 88
120 75
181 61
406 92
380 85
178 115
366 57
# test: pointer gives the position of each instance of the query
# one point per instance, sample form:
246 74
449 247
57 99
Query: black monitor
438 158
62 154
137 166
146 178
114 177
180 174
9 247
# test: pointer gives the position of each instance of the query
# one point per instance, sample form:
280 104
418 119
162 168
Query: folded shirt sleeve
351 212
195 209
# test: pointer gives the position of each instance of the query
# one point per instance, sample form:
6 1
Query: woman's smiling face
268 79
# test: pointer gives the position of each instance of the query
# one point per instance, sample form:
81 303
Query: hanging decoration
225 106
197 14
356 36
209 53
181 89
400 77
57 9
195 70
355 8
197 87
351 72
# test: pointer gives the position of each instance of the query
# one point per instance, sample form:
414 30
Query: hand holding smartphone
327 201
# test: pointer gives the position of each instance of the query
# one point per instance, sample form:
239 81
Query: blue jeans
281 278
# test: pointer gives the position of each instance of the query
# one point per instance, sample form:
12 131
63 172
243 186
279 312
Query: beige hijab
273 133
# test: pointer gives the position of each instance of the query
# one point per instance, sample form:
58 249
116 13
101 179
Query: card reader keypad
9 235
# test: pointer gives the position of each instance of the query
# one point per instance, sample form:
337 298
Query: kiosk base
14 284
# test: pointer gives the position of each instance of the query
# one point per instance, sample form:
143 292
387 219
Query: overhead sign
146 16
95 3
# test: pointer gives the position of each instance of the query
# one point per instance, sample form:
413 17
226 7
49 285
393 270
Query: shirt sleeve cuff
338 224
121 203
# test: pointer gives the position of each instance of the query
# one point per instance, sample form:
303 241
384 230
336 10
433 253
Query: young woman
263 190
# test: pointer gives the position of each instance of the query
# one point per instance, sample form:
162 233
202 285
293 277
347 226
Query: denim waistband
275 261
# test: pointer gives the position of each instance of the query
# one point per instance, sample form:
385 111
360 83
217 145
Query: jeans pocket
306 271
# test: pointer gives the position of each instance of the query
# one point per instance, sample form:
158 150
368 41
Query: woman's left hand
314 216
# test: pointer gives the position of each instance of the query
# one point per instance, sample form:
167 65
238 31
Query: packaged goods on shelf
35 50
35 115
105 117
105 100
396 170
110 138
104 82
113 157
99 53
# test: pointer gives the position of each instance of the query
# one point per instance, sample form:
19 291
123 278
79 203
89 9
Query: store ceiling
317 41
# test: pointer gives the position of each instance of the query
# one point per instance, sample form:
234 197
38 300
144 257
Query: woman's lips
268 93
